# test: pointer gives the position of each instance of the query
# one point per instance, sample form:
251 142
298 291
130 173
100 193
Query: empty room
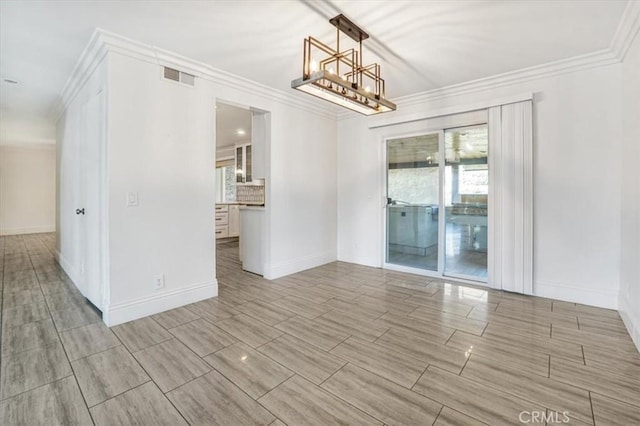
319 212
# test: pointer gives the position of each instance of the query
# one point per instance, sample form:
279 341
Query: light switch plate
132 199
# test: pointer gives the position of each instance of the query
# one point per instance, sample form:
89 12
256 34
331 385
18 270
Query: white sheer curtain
511 197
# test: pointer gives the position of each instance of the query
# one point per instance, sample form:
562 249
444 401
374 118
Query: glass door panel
466 191
413 185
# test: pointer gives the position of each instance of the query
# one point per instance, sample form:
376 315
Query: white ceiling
421 45
230 120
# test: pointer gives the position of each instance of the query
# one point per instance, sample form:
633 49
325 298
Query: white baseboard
271 272
630 318
28 230
347 257
142 307
584 296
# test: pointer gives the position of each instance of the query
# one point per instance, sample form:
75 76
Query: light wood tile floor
338 344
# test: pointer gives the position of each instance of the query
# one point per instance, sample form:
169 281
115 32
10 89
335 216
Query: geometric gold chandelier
340 76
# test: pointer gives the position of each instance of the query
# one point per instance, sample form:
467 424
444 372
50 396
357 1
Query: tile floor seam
593 416
466 361
84 399
37 387
438 415
608 395
419 377
333 374
345 401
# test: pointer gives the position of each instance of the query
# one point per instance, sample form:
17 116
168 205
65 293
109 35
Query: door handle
79 211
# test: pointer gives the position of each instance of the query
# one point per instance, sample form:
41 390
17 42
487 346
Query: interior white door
89 199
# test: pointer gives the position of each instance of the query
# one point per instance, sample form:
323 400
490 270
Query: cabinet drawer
222 231
222 208
222 218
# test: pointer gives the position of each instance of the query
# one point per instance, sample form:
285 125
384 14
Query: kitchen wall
629 304
577 143
27 187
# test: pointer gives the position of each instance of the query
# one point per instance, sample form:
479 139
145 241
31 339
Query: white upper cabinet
244 166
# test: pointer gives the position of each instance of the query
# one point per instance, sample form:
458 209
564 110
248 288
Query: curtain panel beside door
511 197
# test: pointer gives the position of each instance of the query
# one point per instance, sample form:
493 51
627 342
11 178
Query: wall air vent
179 76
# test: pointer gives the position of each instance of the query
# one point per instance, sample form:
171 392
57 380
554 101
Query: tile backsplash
250 194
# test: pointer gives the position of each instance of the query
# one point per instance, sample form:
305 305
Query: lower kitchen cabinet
227 220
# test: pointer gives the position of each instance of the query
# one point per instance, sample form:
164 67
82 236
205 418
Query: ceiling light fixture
358 88
240 132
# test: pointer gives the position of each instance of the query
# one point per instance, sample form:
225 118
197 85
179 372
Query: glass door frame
440 272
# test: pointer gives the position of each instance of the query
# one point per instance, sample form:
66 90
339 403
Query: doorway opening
437 202
242 139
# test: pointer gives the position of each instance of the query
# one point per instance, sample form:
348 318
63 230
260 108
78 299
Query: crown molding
89 60
626 31
564 66
103 42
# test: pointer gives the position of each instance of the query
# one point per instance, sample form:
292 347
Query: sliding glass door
413 197
466 187
437 197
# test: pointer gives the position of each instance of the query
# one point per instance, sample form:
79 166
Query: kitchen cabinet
244 163
227 220
222 221
234 220
252 239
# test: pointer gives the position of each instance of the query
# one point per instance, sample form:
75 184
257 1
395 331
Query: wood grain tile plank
303 358
385 400
140 334
381 360
425 350
474 399
33 368
550 393
202 337
171 364
144 405
88 340
622 388
107 374
251 371
57 403
249 330
214 400
321 335
299 402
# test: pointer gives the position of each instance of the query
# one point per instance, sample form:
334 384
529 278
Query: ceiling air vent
179 76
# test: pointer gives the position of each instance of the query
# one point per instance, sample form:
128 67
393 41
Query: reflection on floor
337 344
461 258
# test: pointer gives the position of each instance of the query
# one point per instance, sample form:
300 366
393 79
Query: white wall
630 203
577 135
161 145
23 129
69 183
27 188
